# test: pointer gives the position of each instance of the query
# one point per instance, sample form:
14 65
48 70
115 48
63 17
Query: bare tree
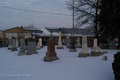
86 12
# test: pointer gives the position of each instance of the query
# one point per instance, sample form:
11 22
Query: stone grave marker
84 51
59 42
51 55
22 48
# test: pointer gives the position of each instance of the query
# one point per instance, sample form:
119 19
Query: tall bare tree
86 12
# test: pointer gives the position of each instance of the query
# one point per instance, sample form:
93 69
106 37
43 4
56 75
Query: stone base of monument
9 48
14 49
68 47
49 59
73 50
31 52
26 47
41 46
112 48
78 47
84 55
20 54
60 48
38 48
96 53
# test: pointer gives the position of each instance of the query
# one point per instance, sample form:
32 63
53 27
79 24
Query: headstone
112 45
68 42
31 48
22 48
33 37
10 44
72 47
40 42
78 43
84 51
59 42
38 45
95 50
105 58
14 48
16 43
51 55
26 40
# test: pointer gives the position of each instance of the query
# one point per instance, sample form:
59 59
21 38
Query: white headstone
95 47
38 45
16 42
84 49
78 43
33 37
95 42
59 42
40 42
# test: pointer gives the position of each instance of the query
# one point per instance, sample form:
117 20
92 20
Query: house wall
14 31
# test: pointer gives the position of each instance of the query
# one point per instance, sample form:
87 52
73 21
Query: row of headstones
84 51
51 55
31 48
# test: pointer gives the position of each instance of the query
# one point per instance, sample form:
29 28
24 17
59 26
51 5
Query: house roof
36 31
70 30
14 28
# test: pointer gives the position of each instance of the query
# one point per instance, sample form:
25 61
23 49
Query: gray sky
11 18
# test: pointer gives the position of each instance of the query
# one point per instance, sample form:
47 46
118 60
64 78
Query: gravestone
16 43
65 42
78 43
59 42
22 48
68 42
112 45
40 42
10 44
51 55
84 51
95 50
33 37
31 47
105 58
26 40
14 48
38 46
72 47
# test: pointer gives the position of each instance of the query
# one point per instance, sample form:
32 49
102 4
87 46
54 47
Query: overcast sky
11 18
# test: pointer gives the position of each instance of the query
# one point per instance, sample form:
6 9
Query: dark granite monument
51 55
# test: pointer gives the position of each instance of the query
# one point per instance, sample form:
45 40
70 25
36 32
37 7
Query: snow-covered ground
68 67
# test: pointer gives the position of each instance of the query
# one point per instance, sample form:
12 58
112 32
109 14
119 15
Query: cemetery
66 61
80 44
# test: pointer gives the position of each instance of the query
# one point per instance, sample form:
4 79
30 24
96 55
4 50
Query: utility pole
73 18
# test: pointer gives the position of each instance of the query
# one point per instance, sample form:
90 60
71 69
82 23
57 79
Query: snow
68 67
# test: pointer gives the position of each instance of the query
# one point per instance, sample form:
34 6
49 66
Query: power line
36 11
